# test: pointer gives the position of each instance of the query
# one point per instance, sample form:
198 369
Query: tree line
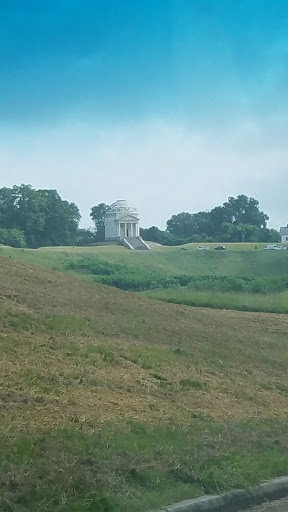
237 220
38 218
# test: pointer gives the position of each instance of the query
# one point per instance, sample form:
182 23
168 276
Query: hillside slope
116 391
165 260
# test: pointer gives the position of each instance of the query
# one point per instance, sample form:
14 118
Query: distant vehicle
202 248
220 248
272 248
183 249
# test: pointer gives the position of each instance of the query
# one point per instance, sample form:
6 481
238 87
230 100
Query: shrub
131 278
12 237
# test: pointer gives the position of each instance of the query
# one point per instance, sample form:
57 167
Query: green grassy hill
239 259
111 401
245 280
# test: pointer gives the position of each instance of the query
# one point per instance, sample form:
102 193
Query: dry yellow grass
100 355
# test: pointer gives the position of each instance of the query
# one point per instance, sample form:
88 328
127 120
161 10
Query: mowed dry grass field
85 358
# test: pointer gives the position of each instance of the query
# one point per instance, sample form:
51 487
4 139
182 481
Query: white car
272 248
203 248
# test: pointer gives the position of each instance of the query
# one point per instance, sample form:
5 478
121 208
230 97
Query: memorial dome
121 221
122 207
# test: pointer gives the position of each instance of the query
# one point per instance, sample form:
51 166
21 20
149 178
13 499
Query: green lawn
166 260
273 303
161 267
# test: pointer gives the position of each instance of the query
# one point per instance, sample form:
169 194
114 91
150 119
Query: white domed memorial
122 224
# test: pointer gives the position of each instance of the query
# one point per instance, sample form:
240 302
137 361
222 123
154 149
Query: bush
125 277
250 284
12 237
270 284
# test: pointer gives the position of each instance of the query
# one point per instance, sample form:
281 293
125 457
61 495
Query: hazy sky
171 104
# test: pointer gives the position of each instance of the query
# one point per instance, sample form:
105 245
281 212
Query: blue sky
171 104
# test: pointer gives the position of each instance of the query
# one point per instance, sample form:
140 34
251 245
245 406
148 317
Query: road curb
234 501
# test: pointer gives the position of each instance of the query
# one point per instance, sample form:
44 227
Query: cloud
161 167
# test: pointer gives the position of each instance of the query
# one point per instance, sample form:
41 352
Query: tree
273 235
181 225
188 225
238 219
43 217
21 209
268 235
219 216
61 219
7 208
239 233
12 237
97 214
85 237
245 210
203 224
154 234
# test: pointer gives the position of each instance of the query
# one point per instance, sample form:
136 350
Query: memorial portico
121 221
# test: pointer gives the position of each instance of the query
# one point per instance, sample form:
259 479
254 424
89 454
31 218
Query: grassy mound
240 280
169 261
113 401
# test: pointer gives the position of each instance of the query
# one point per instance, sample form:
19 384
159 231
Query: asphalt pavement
273 506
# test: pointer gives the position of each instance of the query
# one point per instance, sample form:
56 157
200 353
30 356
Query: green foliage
61 220
239 211
86 237
97 214
248 233
237 220
186 225
155 234
125 277
13 237
41 216
249 284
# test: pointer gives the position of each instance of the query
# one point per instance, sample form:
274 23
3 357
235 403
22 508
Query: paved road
274 506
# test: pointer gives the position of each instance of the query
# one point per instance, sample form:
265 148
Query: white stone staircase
135 243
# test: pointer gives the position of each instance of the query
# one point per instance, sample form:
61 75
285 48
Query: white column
118 229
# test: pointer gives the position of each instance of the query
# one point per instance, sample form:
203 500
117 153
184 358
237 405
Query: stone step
137 243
